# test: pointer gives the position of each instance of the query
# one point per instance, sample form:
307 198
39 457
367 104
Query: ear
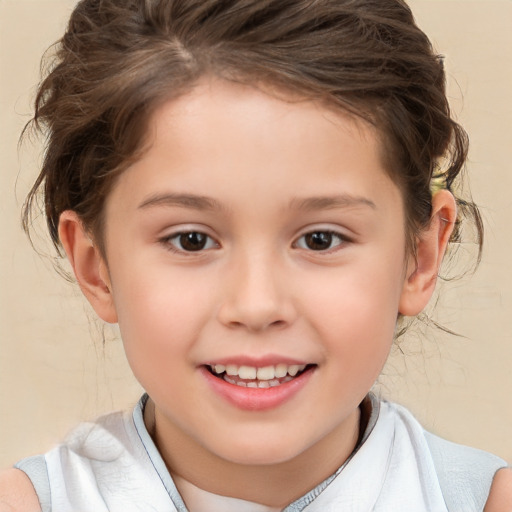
88 265
423 267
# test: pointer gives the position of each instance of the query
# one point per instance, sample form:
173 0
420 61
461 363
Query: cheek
160 314
362 295
356 316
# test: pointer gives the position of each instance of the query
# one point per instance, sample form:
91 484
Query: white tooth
281 370
220 368
274 383
265 373
287 379
252 384
293 369
263 384
230 381
247 372
232 369
241 384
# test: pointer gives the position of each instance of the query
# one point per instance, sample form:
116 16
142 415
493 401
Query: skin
272 171
17 493
255 292
500 497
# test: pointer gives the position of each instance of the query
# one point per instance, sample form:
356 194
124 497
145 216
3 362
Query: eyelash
331 236
210 243
323 236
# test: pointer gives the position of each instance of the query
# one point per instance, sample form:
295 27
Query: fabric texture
112 465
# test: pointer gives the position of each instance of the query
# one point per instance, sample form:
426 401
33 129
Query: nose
255 295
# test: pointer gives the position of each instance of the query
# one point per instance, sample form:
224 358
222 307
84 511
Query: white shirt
112 465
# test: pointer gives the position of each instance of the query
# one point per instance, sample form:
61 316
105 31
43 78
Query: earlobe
88 265
423 267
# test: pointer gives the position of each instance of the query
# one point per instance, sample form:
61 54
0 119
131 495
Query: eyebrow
331 202
191 201
204 203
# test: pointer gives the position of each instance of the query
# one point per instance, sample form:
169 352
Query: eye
320 240
190 241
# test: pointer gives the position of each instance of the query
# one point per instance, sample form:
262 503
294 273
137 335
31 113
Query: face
256 262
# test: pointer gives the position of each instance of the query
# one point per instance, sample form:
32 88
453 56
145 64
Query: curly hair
120 59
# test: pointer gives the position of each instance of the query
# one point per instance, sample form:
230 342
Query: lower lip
257 399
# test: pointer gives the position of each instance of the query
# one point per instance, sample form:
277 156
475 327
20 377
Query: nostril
257 326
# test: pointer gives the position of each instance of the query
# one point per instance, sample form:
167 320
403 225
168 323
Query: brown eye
319 240
191 241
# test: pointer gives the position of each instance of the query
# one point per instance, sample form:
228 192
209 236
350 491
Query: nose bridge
255 294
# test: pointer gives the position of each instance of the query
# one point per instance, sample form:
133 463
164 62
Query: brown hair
120 59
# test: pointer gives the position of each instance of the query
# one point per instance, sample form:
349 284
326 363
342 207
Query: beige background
54 368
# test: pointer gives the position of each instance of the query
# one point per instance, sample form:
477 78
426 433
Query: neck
274 485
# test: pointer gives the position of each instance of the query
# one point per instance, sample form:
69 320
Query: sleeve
35 468
465 474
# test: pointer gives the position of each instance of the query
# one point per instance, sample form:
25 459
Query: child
257 192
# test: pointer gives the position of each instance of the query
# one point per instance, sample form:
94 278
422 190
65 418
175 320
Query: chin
262 453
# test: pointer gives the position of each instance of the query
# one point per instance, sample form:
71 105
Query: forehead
217 96
232 138
216 110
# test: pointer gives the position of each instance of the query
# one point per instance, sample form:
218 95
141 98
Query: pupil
193 241
319 241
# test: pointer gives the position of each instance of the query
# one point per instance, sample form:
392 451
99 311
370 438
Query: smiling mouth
264 377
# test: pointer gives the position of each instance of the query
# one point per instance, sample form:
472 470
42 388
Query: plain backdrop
55 368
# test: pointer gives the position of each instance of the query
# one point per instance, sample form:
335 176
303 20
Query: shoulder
17 493
468 477
500 497
463 460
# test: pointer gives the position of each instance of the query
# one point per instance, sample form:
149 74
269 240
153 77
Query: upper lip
256 362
